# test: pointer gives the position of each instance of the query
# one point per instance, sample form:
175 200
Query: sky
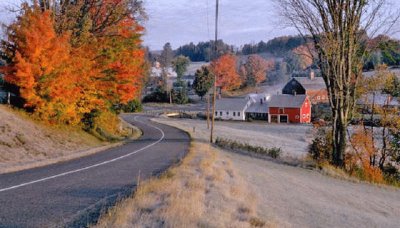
183 21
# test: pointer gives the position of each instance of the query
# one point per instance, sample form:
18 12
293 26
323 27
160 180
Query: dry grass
203 191
25 143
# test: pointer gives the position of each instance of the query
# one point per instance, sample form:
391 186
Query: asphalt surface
75 193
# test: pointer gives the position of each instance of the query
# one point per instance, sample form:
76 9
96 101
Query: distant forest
383 49
204 51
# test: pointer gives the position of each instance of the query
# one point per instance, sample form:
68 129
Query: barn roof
287 101
317 83
231 104
258 107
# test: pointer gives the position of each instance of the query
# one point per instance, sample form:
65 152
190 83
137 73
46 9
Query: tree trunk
339 134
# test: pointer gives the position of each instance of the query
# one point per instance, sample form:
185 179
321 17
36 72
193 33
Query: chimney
312 74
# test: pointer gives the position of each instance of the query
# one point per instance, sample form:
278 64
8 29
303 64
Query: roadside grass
28 143
204 190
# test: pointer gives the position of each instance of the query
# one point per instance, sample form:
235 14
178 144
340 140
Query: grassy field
290 196
204 190
293 139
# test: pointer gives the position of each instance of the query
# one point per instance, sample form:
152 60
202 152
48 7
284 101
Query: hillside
25 143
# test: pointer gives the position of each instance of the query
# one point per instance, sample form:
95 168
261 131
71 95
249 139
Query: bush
179 96
158 96
133 106
321 111
105 125
321 147
235 145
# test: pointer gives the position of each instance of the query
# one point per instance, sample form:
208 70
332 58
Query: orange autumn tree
224 68
41 67
122 63
77 62
254 71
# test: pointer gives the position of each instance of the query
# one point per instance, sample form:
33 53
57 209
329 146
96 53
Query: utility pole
208 111
215 76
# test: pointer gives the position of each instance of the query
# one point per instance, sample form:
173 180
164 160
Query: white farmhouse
231 108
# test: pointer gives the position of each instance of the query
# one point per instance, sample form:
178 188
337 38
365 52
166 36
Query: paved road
73 193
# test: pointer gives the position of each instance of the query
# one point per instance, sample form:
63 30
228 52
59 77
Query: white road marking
92 166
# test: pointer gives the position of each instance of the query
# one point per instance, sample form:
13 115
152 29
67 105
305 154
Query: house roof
317 83
258 107
380 99
233 104
287 101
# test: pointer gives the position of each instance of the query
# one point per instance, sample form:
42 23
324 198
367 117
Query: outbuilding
286 108
313 87
231 108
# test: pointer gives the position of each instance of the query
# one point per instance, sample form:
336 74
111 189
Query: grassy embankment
204 190
26 143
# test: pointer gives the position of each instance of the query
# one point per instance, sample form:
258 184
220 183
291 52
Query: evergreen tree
203 81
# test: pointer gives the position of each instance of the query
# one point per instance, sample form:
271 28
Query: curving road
74 193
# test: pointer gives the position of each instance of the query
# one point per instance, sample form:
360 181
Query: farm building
258 109
282 108
378 100
231 108
287 108
313 87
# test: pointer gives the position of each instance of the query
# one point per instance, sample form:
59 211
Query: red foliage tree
41 67
224 68
254 71
64 75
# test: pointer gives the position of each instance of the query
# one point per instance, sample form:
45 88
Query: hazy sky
183 21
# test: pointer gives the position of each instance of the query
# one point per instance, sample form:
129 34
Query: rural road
74 193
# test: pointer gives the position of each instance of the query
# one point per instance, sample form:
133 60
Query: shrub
133 106
158 96
235 145
321 147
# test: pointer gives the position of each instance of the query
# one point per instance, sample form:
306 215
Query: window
234 113
220 113
238 113
281 110
297 117
304 116
227 113
216 113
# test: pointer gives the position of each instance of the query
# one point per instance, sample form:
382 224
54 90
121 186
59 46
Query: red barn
312 86
289 109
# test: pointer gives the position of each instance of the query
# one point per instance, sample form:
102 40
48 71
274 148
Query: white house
156 71
232 108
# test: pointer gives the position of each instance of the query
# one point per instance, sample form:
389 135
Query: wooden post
215 76
208 111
